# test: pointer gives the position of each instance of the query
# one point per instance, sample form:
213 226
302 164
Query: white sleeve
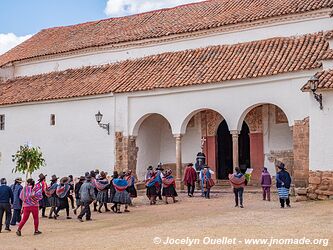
211 171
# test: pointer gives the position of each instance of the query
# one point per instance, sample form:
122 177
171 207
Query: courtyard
147 227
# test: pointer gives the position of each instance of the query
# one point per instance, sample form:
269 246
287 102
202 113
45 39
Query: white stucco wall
321 132
285 28
157 144
277 137
75 145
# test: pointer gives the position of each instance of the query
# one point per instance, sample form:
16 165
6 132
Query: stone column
235 155
179 164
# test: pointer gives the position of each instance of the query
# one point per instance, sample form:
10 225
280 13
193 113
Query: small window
52 120
2 122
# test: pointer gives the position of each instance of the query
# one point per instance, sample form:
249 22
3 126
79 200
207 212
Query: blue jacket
283 179
6 194
16 188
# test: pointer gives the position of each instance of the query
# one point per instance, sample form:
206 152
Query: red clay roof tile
210 65
155 24
325 81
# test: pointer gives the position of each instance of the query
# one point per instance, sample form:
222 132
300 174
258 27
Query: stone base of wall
320 187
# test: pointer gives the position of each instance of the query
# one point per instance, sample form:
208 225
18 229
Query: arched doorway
224 145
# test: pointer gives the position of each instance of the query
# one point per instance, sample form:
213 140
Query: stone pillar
301 152
235 155
210 150
256 155
126 152
179 164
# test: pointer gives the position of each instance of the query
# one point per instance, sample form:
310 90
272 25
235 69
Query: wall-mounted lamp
314 86
99 117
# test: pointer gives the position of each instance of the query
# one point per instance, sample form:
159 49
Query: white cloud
117 8
10 40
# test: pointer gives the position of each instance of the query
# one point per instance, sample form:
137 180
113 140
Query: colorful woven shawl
62 190
49 191
154 180
31 196
102 184
130 179
168 181
120 184
237 181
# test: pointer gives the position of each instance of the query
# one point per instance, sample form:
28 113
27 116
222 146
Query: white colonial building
235 73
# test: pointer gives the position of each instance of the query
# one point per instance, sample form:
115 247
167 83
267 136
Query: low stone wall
320 187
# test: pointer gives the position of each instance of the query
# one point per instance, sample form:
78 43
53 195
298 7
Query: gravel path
192 218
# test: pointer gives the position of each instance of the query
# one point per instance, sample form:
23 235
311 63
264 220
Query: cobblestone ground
195 218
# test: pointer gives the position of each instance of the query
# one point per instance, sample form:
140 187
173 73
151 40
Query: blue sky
19 19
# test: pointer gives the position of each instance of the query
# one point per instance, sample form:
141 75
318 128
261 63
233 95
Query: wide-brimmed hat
88 178
150 168
19 179
64 180
82 178
42 176
190 164
54 178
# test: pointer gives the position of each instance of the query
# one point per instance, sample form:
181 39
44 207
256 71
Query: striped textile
31 196
120 184
283 193
62 190
51 189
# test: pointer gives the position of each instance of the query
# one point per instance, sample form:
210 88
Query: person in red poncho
190 177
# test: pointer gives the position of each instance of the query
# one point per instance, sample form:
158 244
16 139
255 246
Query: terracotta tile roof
328 55
155 24
325 81
191 67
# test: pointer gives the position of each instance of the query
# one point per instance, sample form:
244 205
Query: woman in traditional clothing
169 186
53 198
63 192
190 177
102 185
77 194
31 195
113 191
266 183
17 203
121 196
206 180
153 184
43 203
71 190
283 182
131 185
238 182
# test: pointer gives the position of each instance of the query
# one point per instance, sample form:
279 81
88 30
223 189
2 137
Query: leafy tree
28 159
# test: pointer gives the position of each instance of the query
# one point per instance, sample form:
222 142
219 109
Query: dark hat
92 173
64 180
115 174
3 181
42 176
54 178
190 164
82 178
281 165
150 168
19 180
88 178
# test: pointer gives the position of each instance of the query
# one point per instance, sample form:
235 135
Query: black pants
282 201
5 208
61 208
239 193
71 198
85 211
190 189
16 218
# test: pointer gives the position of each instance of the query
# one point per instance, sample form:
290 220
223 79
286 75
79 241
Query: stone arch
256 112
135 130
212 123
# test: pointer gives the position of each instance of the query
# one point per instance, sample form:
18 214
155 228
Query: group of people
238 183
93 187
